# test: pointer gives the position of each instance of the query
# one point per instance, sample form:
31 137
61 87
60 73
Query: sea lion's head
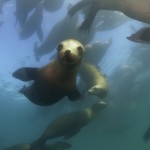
70 52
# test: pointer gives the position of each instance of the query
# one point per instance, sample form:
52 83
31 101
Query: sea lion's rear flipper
39 33
141 36
146 135
74 95
71 133
26 73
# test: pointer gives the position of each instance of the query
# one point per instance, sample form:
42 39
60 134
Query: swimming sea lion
135 9
56 146
96 51
57 79
70 124
141 36
23 7
33 24
96 82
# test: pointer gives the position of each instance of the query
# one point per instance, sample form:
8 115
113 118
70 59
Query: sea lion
23 7
33 24
141 36
135 9
96 51
70 124
56 146
95 81
55 80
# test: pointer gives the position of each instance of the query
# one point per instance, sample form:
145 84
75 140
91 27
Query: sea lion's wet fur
95 80
55 80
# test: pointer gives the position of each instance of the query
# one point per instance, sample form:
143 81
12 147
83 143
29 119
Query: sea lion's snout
67 52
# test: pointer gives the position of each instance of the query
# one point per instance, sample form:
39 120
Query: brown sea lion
23 8
56 146
135 9
96 82
55 80
70 124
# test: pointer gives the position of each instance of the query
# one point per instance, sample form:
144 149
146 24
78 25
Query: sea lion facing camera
55 80
70 124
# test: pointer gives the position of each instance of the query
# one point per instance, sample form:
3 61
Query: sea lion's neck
69 68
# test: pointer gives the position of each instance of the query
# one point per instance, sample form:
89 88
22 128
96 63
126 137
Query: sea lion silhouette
70 124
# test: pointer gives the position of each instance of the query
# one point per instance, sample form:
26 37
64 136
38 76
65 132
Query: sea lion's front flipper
141 36
146 135
74 95
26 73
71 133
39 33
89 18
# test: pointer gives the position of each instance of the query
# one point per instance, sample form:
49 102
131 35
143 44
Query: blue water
119 127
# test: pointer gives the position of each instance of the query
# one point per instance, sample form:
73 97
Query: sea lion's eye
80 50
60 46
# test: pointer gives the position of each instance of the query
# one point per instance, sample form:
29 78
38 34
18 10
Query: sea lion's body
55 80
135 9
23 7
96 51
95 81
70 124
33 24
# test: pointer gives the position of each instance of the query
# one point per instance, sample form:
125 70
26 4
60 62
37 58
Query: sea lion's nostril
67 52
